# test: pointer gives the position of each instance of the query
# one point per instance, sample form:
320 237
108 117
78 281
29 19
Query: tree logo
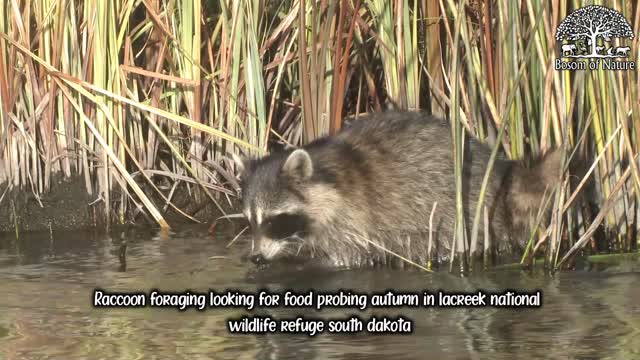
589 33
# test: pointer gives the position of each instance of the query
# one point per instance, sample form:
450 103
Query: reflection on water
47 284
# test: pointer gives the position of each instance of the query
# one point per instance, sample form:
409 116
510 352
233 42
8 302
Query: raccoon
350 199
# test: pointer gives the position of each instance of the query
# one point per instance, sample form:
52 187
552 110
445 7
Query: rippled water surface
47 282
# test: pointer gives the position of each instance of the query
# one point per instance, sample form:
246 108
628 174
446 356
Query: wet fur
376 181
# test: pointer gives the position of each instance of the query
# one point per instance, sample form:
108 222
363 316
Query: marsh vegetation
145 101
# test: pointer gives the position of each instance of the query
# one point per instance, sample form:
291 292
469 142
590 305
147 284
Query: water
48 282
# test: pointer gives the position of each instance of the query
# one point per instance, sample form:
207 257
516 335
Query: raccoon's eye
284 225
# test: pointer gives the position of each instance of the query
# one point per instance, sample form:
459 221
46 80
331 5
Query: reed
168 90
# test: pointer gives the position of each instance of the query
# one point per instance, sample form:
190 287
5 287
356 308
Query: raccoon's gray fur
340 199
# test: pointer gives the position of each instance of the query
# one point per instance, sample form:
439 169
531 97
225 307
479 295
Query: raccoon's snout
269 249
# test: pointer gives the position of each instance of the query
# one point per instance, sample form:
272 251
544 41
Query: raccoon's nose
257 259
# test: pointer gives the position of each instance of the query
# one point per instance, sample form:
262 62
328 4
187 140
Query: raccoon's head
274 201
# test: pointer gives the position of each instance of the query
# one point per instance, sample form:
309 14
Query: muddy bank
190 200
65 207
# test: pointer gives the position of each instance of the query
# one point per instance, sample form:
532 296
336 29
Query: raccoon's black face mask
284 226
274 202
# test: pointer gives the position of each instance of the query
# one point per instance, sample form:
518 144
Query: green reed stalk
458 243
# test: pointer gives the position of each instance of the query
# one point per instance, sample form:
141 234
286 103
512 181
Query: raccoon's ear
241 163
298 165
